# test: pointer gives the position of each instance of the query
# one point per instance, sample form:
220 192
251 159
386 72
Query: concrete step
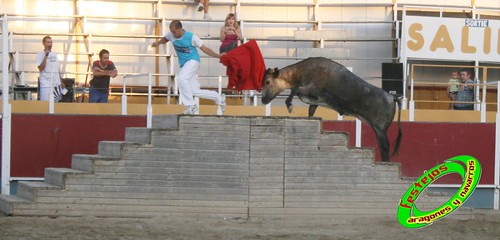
57 176
127 211
114 148
155 152
118 171
208 122
219 144
144 202
165 122
124 184
330 189
9 202
197 189
165 135
138 135
29 190
183 156
53 195
88 162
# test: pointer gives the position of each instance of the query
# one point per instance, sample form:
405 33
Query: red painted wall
40 141
425 145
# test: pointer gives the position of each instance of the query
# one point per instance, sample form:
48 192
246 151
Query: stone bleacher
220 166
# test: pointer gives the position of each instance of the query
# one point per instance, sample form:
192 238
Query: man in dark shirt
103 70
465 94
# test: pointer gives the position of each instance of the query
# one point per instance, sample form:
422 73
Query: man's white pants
189 86
44 93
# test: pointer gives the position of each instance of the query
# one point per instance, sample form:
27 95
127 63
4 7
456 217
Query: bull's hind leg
312 109
383 143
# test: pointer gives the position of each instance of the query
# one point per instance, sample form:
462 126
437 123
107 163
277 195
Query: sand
484 224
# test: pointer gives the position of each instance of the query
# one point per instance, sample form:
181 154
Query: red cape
245 67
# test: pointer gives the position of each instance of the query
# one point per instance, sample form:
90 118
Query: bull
322 82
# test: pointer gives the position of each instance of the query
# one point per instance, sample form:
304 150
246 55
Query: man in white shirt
48 65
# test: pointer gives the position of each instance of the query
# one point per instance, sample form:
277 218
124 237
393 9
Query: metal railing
479 87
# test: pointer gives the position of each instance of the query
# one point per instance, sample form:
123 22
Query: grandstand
362 35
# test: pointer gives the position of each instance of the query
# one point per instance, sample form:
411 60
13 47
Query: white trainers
200 7
191 110
206 16
222 105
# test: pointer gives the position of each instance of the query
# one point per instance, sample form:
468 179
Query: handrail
446 7
482 85
149 108
93 53
357 22
51 34
22 16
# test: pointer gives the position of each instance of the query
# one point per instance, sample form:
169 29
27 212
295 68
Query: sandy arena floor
485 224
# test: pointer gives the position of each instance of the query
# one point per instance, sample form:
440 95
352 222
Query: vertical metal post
254 96
412 102
483 100
124 96
404 100
6 110
496 194
51 95
358 133
149 111
219 89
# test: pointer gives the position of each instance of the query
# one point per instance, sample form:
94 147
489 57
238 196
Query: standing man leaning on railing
465 92
102 69
49 77
185 44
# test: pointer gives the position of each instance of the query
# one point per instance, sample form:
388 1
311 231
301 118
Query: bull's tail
400 133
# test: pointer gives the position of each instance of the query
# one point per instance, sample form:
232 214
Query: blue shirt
185 46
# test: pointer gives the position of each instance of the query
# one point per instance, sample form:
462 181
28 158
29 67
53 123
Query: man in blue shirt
185 44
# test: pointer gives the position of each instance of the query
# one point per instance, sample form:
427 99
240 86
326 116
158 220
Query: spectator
453 87
102 69
185 44
203 6
465 91
49 78
230 34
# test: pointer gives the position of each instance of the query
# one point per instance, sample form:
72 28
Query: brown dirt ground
484 224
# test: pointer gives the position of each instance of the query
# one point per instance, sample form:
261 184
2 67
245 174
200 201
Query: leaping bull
321 81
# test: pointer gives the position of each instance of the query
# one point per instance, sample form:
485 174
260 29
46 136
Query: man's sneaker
190 110
200 7
206 16
222 105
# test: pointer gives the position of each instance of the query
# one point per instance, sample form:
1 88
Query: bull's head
273 85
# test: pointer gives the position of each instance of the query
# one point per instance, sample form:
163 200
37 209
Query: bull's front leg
289 99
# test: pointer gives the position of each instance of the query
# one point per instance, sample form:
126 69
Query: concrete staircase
219 166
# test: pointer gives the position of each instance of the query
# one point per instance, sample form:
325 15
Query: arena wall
58 137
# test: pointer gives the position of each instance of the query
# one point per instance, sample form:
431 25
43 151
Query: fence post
124 96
